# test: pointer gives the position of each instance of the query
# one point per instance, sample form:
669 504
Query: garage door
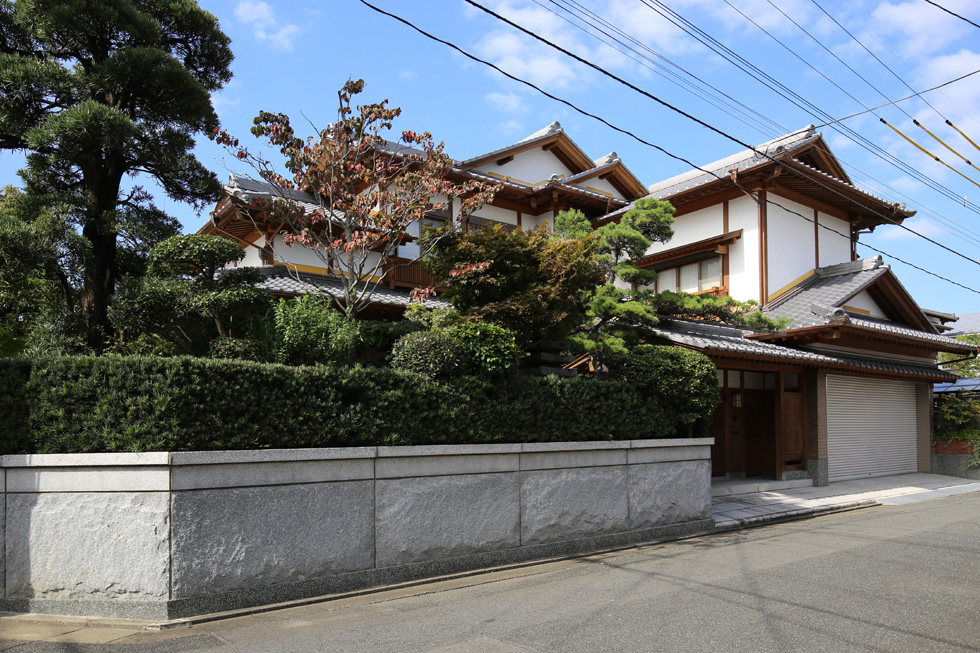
871 427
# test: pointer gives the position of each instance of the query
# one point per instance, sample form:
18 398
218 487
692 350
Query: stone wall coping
448 450
181 458
152 458
269 455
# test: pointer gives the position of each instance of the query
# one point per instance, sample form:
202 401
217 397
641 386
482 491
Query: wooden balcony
406 273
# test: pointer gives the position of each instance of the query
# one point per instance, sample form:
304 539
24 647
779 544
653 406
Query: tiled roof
819 300
541 134
741 161
827 290
247 190
724 339
278 279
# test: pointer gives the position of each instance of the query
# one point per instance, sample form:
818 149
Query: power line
945 222
953 13
634 136
711 127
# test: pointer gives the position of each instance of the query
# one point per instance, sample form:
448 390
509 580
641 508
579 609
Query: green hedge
119 403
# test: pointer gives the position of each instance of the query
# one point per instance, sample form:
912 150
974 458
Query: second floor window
692 277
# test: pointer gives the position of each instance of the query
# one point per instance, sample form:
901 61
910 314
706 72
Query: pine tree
99 92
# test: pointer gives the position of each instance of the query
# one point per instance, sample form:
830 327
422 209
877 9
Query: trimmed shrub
492 349
433 354
239 349
309 331
78 404
683 379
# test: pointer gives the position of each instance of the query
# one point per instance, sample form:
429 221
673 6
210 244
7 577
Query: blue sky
292 57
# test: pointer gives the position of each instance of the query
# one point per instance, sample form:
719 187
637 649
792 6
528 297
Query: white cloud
408 74
506 102
265 25
511 127
921 225
918 28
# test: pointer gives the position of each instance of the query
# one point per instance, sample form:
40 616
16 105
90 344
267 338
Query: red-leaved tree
352 196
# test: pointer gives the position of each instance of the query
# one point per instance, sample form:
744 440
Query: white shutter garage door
871 427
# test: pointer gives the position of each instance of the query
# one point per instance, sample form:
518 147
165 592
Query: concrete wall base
168 535
954 464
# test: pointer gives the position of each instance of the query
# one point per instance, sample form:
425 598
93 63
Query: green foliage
310 331
98 93
183 301
36 257
685 380
379 336
491 349
525 281
965 369
239 349
433 354
958 418
127 403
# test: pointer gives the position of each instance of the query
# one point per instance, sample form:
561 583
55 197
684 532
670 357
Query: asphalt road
889 578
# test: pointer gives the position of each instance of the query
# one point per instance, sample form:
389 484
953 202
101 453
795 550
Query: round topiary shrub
434 354
492 349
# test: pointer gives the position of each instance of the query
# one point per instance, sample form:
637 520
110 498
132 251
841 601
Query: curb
792 515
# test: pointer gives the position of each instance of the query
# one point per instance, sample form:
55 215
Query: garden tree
527 281
968 368
182 300
35 266
619 309
98 93
359 193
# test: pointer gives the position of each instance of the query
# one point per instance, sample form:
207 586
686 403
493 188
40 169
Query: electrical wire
634 136
711 127
953 13
945 223
781 89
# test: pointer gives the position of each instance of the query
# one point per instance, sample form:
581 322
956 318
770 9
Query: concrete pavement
733 508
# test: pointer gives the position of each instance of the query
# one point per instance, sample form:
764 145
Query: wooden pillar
763 249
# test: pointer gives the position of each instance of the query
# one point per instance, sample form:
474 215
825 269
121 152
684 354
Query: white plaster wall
834 248
863 300
299 255
692 227
496 213
531 167
743 259
600 185
252 258
792 248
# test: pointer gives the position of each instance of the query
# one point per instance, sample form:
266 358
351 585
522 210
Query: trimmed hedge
121 403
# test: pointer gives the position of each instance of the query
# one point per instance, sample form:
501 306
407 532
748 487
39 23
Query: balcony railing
406 273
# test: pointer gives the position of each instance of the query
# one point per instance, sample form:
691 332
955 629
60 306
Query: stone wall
953 458
166 535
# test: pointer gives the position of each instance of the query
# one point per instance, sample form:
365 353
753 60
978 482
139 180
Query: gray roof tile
278 279
724 339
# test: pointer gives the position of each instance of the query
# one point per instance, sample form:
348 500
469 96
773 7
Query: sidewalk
738 504
733 510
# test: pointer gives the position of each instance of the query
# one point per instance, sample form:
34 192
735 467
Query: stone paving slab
738 511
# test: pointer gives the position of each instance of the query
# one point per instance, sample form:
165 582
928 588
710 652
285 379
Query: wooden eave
825 193
725 359
823 159
679 255
859 337
619 176
564 149
895 302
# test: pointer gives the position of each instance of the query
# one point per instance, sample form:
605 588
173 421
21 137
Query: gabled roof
799 163
818 302
741 161
551 138
729 342
611 168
